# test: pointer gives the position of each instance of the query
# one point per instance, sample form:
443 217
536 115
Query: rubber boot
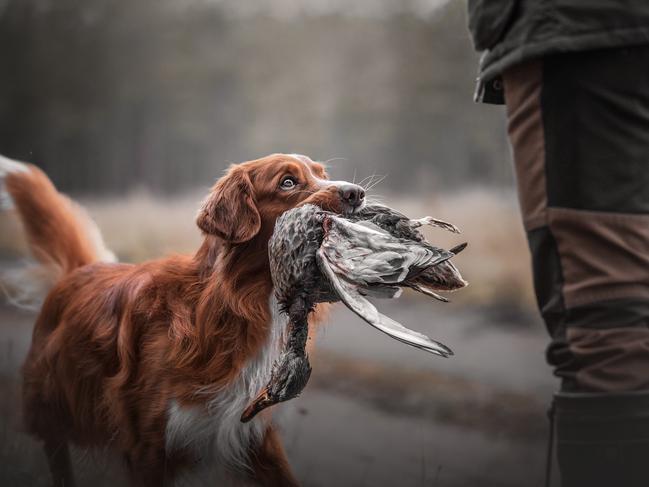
603 439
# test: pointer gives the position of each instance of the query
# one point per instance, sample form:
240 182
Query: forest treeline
110 95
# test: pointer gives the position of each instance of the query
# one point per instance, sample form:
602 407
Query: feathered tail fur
60 234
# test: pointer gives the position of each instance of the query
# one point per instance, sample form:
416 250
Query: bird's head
289 378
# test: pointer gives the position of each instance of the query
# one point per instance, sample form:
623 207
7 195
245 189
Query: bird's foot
435 222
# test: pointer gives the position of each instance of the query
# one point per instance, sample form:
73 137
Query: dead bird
317 256
365 258
442 277
298 286
292 370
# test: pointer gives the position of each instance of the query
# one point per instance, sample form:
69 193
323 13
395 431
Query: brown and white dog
158 360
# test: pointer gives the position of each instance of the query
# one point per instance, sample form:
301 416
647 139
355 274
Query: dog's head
255 193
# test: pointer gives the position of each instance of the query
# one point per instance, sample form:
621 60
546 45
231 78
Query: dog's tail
60 234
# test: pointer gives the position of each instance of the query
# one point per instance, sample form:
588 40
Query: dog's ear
230 210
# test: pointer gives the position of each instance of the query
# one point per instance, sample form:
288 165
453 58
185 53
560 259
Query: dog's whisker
334 159
375 183
364 180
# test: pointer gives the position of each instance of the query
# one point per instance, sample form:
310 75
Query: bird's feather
429 292
382 292
435 222
351 297
376 257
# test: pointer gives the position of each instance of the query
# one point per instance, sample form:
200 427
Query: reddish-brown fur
114 343
55 237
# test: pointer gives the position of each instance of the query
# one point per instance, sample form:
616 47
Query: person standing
574 76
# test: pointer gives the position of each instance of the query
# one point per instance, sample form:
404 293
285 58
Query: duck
317 256
442 277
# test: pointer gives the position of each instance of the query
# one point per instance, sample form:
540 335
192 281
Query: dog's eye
288 182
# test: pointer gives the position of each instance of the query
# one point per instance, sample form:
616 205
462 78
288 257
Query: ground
377 412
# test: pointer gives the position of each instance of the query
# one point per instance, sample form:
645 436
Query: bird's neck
298 331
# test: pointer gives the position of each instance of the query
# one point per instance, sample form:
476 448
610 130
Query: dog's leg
270 464
58 457
147 468
48 424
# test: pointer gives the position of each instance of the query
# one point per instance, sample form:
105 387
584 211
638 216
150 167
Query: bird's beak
261 402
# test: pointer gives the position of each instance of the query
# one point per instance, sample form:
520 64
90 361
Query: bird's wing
382 292
371 256
366 310
370 225
401 223
443 277
429 292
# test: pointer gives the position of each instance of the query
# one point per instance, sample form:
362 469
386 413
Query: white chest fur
215 434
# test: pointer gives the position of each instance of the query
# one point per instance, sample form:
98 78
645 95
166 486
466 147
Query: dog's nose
352 194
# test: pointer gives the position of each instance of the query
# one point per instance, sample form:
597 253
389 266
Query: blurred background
136 107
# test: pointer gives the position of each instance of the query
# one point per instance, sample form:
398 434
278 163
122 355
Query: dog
157 361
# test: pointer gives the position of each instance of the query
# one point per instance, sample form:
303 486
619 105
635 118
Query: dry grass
141 226
496 263
136 227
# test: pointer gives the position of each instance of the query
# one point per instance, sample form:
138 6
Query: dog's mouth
350 209
334 200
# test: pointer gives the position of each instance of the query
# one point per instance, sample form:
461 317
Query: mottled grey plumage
398 224
317 256
442 277
298 287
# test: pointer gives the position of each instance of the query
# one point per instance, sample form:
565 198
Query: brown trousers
579 128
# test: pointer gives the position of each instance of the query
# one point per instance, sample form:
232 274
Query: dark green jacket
512 31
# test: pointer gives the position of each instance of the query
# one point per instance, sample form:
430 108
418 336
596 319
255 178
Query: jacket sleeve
488 21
